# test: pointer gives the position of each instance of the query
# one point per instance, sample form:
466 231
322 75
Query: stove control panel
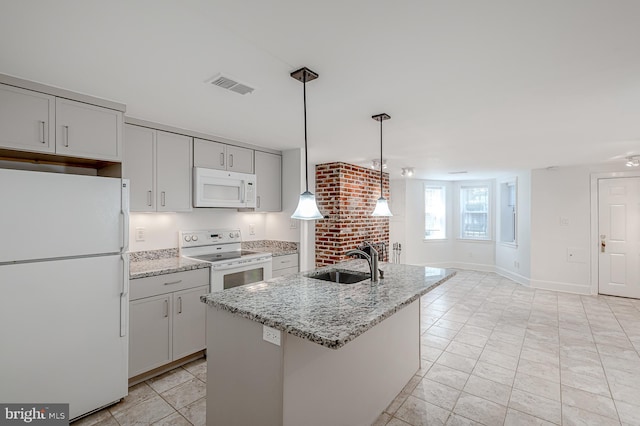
209 237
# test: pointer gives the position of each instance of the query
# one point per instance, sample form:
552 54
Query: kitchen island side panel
355 383
244 373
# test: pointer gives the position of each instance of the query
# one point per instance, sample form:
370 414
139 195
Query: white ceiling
482 86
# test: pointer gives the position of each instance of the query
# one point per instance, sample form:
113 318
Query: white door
619 232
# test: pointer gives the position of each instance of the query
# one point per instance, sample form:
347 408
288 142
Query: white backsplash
161 229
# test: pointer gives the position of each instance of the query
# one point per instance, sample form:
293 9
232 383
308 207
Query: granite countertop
160 262
276 248
327 313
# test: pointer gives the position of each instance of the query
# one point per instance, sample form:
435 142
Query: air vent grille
230 84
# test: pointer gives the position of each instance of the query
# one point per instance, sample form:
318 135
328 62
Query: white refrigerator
64 289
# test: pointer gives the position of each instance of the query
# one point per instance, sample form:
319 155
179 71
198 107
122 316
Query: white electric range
230 265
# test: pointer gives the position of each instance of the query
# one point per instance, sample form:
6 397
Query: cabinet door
26 120
149 333
189 322
239 159
268 182
173 172
88 131
209 154
138 166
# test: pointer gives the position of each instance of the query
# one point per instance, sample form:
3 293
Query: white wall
514 261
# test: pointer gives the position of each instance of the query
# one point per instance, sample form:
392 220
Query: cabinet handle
166 308
230 160
222 158
66 138
149 198
285 261
258 201
162 198
173 282
180 304
42 130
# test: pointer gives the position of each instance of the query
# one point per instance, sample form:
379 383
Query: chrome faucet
371 260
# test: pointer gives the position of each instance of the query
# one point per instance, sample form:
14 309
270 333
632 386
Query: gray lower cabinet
284 265
166 319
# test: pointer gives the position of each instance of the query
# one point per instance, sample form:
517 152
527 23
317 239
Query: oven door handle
252 265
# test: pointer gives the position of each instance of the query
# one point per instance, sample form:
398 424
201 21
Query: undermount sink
340 276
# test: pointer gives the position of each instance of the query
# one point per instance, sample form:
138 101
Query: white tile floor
493 353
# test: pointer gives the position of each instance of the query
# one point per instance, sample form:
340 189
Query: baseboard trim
520 279
560 286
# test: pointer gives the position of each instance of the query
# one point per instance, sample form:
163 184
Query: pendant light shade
307 208
382 206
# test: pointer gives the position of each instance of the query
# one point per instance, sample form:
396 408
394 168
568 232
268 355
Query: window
474 212
435 211
508 211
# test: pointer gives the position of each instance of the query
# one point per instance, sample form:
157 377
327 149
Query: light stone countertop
327 313
159 262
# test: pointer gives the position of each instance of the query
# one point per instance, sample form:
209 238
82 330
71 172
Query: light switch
140 234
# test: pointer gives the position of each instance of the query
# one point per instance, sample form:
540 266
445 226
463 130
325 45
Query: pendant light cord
381 194
306 159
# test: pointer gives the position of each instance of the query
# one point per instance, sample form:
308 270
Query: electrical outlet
252 229
293 224
140 234
271 335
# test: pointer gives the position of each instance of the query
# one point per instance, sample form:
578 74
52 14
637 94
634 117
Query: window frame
514 183
461 212
445 217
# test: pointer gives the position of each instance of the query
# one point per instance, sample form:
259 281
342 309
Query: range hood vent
230 83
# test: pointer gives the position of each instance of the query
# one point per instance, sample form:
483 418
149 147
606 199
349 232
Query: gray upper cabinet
216 155
158 165
139 166
27 120
173 162
239 159
35 122
88 131
269 182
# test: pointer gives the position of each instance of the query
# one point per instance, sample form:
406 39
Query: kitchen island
340 352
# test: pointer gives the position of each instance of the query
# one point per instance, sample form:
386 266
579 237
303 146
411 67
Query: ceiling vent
229 83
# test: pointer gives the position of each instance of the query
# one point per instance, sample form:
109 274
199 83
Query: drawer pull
173 282
285 261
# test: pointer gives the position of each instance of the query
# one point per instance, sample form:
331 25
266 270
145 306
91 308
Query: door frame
595 222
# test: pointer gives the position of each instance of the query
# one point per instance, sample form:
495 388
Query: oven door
229 275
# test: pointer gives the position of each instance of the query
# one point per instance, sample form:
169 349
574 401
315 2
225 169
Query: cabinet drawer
282 262
162 284
285 271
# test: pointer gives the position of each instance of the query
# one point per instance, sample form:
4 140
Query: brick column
348 195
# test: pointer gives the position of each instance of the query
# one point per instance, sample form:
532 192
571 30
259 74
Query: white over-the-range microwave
220 188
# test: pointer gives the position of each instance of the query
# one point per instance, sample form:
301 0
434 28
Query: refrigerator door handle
124 296
125 216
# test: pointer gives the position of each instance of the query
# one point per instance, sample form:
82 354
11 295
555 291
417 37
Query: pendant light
382 206
307 207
